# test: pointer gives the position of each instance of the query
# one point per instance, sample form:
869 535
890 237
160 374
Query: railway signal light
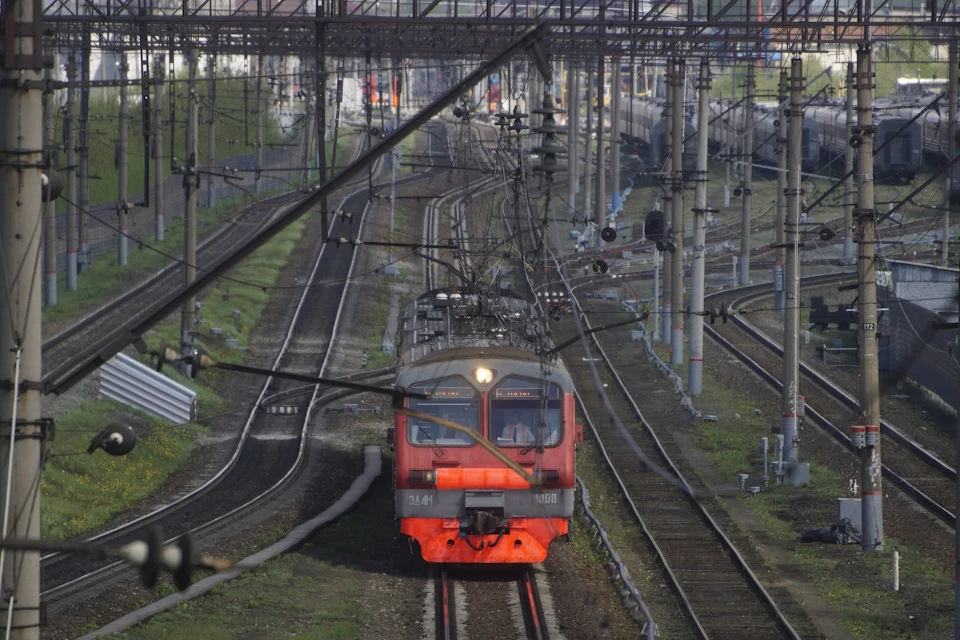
655 228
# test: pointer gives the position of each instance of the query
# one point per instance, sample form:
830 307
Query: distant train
900 142
475 361
727 124
643 127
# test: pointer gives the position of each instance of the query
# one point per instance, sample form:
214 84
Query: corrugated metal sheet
127 381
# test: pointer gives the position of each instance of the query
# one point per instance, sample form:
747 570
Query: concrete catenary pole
725 137
188 314
157 129
83 161
211 131
849 194
49 208
666 170
782 141
307 130
122 203
21 447
676 185
573 155
866 220
70 144
790 411
952 181
258 183
615 91
747 167
695 369
587 166
600 204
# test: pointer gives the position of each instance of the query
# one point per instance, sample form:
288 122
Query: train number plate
420 500
545 498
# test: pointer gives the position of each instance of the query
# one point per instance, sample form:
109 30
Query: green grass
82 492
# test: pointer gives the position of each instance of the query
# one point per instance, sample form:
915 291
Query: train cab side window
524 411
451 398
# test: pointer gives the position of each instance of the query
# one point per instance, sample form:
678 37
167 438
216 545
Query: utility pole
587 166
871 479
747 166
83 162
725 137
158 231
782 168
211 130
573 146
22 438
789 396
70 143
307 130
848 189
191 187
615 79
258 184
320 81
952 182
49 207
676 271
695 368
600 204
666 170
122 203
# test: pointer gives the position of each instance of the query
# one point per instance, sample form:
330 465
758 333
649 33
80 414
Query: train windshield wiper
433 443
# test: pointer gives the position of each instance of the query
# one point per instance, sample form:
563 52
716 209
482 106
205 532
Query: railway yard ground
356 579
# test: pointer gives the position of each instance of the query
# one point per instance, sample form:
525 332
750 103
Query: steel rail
445 610
941 512
534 618
739 562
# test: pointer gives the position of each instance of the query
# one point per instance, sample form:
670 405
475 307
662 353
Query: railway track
271 449
720 595
493 582
62 351
920 473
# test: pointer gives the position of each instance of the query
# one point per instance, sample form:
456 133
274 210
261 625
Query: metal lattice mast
157 130
849 193
665 171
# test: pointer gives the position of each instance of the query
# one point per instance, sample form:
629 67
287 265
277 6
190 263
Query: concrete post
666 169
83 162
122 203
573 134
70 142
21 445
725 137
656 295
952 181
615 92
848 156
587 165
600 204
782 141
677 230
49 208
258 183
747 167
791 318
211 130
157 129
188 314
871 479
695 370
307 131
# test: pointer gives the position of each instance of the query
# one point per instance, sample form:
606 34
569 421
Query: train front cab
458 501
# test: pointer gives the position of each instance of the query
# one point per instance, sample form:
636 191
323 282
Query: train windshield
525 411
450 398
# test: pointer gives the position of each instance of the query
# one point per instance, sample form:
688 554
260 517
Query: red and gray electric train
476 362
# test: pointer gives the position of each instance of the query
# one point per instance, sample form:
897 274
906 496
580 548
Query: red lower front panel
527 541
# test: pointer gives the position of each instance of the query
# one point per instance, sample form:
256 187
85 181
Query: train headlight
483 375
